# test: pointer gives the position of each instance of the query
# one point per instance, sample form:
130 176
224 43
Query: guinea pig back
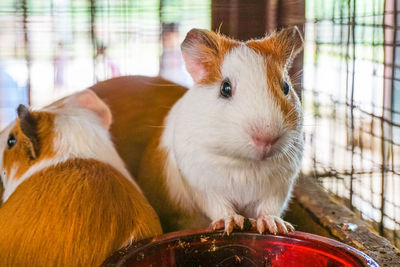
68 199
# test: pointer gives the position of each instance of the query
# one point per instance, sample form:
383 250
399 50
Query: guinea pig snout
263 146
264 141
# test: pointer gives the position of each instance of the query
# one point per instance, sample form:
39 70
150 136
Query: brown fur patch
279 49
19 157
73 214
29 127
138 105
207 49
275 77
282 46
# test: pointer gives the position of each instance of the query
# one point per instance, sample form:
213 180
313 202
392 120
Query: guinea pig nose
263 141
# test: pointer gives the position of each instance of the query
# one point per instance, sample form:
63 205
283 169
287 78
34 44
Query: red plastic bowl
206 248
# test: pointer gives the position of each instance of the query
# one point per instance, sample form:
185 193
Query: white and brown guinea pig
230 147
68 199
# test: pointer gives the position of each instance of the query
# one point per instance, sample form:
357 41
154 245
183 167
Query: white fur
79 133
212 160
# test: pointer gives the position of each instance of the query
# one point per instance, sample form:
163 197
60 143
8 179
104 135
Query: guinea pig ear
203 52
283 45
287 43
87 99
29 127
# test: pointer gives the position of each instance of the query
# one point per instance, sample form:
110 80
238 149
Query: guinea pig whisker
296 75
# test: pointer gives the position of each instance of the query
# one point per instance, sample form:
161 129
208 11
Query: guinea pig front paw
229 223
273 224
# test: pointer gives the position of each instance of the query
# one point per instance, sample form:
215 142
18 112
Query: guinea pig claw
273 224
218 224
238 221
229 223
260 226
289 227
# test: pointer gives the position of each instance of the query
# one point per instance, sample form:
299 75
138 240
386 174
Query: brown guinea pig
228 148
68 199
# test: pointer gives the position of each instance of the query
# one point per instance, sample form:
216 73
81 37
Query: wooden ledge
314 210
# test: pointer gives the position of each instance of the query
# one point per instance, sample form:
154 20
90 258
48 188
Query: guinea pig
68 199
227 149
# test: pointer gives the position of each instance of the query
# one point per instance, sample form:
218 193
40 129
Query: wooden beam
343 224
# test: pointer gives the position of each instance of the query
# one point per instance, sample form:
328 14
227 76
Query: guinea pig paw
273 224
229 223
218 224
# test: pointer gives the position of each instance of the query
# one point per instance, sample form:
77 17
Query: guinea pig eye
226 89
11 141
285 88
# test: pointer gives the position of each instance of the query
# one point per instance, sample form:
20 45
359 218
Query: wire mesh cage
49 49
352 104
351 73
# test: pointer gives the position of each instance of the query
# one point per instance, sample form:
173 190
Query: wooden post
27 51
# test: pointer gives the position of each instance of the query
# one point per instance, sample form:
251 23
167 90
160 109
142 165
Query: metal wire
351 94
353 127
50 49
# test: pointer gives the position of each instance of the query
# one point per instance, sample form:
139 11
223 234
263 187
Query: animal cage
351 99
50 49
348 76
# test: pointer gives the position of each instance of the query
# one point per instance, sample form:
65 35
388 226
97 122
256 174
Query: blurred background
348 76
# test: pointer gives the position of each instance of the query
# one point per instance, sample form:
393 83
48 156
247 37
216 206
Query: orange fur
19 157
138 105
279 49
73 214
282 46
